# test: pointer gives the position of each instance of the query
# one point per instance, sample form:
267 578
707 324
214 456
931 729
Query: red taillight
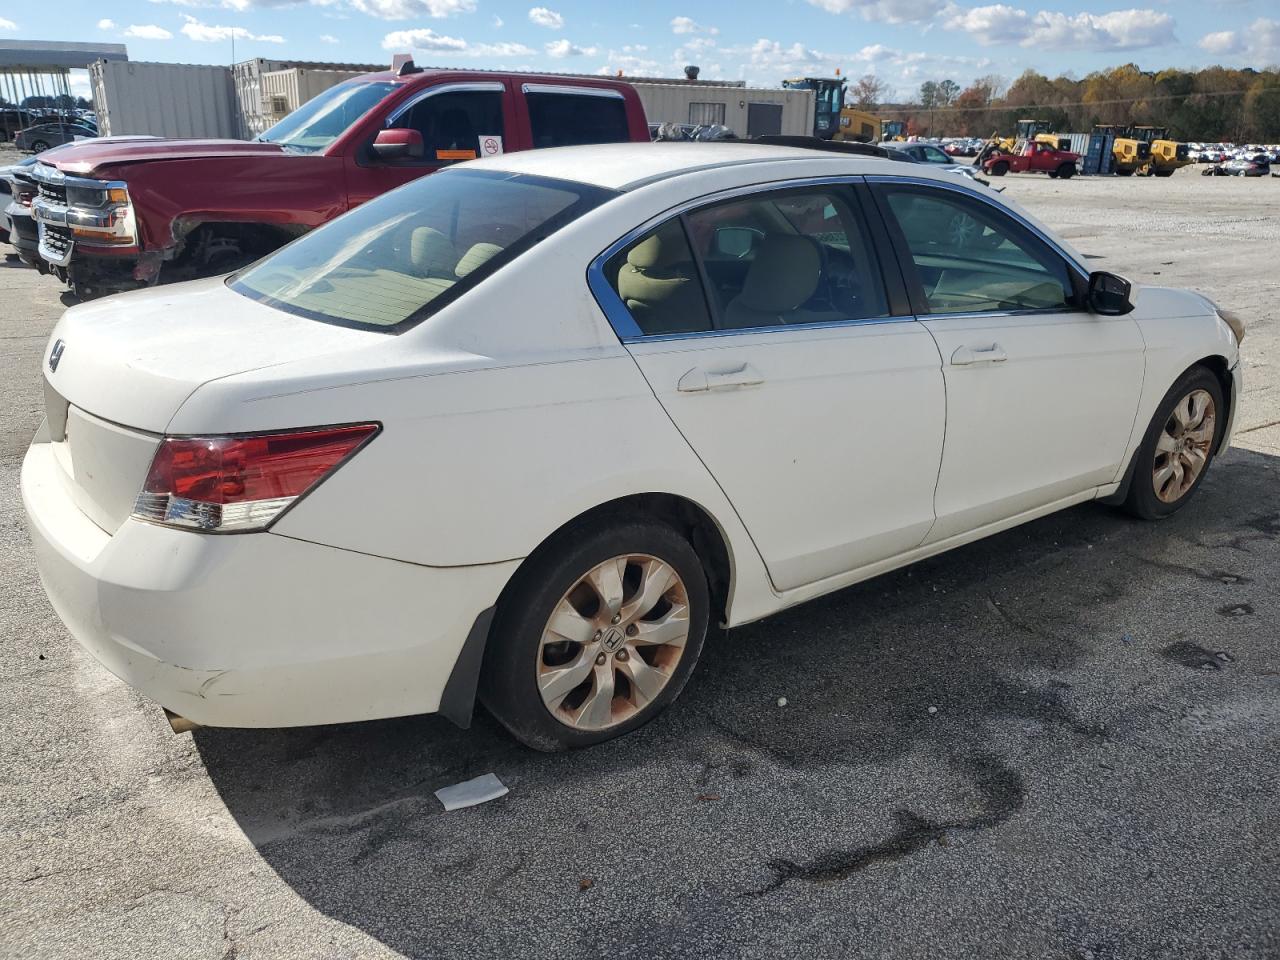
241 483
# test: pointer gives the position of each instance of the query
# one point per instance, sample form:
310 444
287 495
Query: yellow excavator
832 120
1166 155
1041 131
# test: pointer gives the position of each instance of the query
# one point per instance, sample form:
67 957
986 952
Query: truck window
453 124
568 119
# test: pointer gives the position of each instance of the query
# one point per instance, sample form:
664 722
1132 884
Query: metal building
41 68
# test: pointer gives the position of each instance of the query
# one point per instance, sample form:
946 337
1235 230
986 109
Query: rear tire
1178 447
1164 173
1124 173
567 666
39 146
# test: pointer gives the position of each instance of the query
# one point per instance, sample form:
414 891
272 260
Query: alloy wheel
1182 449
613 642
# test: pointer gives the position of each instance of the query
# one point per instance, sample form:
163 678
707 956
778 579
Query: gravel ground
1061 742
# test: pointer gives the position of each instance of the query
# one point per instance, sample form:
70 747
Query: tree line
1215 104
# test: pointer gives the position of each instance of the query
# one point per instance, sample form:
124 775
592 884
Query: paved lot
1099 778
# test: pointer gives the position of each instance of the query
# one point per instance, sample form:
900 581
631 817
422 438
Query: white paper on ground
471 792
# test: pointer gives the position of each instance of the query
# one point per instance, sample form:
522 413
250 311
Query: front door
1041 393
764 328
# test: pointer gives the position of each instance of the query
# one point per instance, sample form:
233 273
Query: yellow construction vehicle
859 125
1129 155
893 130
1166 155
1040 131
828 102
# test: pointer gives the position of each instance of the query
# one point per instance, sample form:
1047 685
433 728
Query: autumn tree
868 92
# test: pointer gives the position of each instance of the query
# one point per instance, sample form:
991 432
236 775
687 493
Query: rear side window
657 278
568 119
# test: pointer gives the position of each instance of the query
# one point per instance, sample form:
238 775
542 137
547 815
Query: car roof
627 166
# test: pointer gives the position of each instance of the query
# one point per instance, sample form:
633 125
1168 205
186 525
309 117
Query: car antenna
403 65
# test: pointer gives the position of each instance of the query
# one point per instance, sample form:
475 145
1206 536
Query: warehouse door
764 119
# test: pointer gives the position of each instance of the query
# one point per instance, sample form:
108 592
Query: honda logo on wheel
55 355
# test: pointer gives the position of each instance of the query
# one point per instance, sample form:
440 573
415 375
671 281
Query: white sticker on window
490 146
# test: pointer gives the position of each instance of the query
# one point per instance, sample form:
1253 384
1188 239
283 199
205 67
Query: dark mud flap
458 701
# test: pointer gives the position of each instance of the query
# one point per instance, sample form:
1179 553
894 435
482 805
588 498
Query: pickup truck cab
1028 156
126 213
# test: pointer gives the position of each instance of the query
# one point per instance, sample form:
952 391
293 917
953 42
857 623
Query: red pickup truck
1033 157
119 214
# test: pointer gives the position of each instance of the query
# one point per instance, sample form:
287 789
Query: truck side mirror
1109 295
398 144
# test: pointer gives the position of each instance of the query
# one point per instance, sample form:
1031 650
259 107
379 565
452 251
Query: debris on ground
470 793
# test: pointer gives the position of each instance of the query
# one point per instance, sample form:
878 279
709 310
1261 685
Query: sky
904 42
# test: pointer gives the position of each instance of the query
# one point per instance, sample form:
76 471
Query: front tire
999 169
39 146
1067 171
1179 445
597 636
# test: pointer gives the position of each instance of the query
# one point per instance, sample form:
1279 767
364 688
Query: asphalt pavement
1059 742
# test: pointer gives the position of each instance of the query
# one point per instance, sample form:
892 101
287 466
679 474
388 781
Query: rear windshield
397 259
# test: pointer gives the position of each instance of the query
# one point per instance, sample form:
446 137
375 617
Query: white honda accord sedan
526 428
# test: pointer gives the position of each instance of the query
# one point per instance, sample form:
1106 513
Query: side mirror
398 144
1108 294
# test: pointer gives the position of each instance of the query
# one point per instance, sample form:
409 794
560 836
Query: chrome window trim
625 326
994 204
487 86
572 90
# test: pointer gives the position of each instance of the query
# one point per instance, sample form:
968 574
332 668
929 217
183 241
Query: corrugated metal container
747 111
162 99
1079 143
284 91
253 109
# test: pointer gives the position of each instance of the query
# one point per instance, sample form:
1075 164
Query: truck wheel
1164 173
999 169
1067 171
39 146
1124 173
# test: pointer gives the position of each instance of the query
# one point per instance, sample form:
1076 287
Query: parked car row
1255 165
1224 152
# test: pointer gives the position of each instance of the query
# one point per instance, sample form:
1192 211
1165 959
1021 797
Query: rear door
1041 393
458 121
764 325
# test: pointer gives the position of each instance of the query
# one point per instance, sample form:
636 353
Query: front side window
453 124
934 155
569 119
397 259
321 120
971 258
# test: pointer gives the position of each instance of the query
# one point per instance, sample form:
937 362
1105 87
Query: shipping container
162 99
747 111
253 110
284 91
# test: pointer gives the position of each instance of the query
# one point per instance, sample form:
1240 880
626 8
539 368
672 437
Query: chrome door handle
699 380
967 355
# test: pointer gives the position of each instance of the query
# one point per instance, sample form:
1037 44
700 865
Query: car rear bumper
252 630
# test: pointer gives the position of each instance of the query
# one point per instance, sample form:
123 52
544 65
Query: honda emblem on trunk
55 355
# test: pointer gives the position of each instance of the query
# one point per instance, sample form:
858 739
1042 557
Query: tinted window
657 279
565 120
934 155
971 258
792 257
453 124
399 257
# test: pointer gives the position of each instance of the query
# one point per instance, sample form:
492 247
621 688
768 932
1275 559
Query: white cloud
886 11
328 38
407 9
147 31
629 64
193 29
428 40
546 18
1259 44
689 25
7 24
105 24
563 48
1119 30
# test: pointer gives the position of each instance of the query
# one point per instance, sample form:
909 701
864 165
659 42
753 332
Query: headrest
432 252
659 251
476 257
783 275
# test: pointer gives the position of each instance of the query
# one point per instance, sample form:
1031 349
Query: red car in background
1032 157
116 215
